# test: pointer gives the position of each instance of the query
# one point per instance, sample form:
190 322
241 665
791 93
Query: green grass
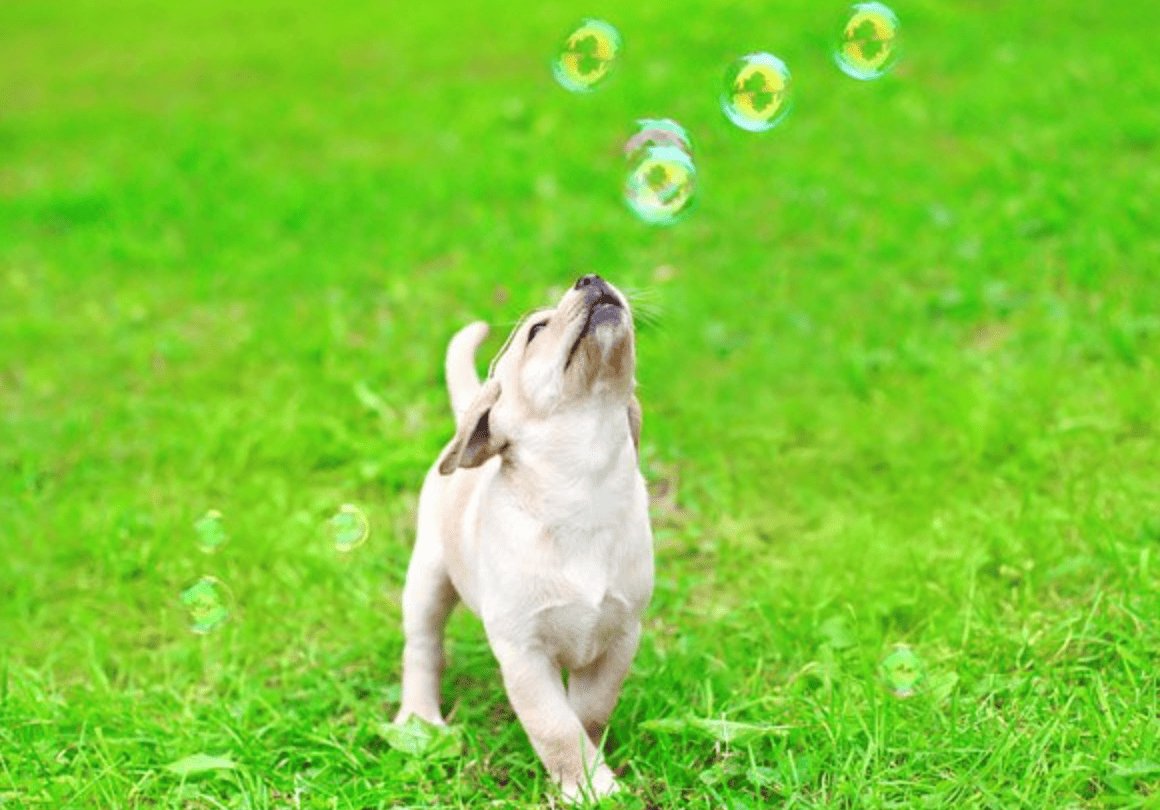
901 388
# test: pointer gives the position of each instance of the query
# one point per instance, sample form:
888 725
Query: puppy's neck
574 451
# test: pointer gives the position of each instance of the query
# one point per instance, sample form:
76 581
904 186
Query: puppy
536 516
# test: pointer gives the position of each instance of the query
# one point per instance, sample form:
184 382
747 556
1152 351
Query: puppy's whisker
649 320
646 308
634 294
645 296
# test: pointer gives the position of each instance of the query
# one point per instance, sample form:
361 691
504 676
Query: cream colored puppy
536 516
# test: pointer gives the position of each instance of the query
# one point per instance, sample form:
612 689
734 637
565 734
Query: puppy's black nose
584 281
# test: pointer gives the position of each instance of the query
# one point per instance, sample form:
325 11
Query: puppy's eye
535 330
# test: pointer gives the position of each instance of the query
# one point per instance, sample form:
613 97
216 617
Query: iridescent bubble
757 94
661 183
870 43
901 671
210 533
587 56
208 603
349 528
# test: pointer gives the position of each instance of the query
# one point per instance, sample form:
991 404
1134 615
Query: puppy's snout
596 290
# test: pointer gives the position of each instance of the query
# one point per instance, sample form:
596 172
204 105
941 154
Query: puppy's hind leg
594 690
536 692
428 598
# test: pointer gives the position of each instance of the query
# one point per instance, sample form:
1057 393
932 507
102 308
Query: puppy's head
562 372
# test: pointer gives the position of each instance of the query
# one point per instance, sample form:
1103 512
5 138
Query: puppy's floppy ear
474 441
634 419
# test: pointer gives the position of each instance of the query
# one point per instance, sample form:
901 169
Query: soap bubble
208 603
349 528
587 56
662 179
901 671
758 92
869 45
210 534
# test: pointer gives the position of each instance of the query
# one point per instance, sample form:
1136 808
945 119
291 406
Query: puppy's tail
462 380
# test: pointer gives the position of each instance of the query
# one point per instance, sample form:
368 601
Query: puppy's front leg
594 690
536 692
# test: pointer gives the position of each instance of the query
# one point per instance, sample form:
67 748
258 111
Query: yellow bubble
587 56
208 604
349 528
758 92
870 42
661 183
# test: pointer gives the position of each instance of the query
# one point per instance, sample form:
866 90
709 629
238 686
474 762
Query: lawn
900 371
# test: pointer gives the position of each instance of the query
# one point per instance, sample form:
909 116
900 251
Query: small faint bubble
969 249
870 42
348 528
941 216
546 188
901 671
208 603
757 94
514 109
587 56
210 533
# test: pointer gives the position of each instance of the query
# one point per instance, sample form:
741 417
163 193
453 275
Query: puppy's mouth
603 308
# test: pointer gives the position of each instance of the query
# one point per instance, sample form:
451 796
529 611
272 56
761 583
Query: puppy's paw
432 717
601 785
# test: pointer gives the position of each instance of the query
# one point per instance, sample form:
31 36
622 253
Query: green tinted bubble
587 56
210 533
661 184
757 93
869 45
901 671
208 604
349 528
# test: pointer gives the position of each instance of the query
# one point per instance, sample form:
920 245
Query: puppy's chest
586 579
586 612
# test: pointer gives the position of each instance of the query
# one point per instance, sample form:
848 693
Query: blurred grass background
901 388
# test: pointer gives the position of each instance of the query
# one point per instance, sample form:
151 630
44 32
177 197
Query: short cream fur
536 517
